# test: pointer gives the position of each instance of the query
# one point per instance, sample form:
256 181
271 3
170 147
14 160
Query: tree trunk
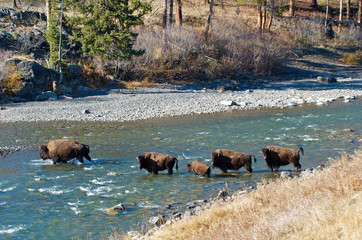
291 7
15 6
314 4
271 13
48 9
260 17
264 18
60 45
164 19
209 20
327 12
340 15
178 18
171 12
359 11
348 13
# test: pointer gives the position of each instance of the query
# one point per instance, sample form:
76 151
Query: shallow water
39 200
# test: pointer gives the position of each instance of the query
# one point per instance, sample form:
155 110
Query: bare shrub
304 32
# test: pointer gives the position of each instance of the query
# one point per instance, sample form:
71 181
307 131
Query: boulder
33 78
228 103
48 95
286 175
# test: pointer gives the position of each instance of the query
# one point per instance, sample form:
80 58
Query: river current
39 200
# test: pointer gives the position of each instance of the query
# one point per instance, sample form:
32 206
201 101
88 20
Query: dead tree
340 14
178 18
291 8
164 17
209 20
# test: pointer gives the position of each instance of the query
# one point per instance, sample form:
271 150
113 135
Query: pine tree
104 27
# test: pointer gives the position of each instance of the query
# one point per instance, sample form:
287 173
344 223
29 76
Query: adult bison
198 168
228 159
62 150
275 157
154 162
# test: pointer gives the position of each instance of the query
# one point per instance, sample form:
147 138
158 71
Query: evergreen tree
104 27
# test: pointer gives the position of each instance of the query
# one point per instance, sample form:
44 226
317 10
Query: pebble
147 103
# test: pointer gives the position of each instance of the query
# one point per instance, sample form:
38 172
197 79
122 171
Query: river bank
166 101
321 205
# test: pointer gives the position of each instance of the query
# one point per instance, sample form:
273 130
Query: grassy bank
326 205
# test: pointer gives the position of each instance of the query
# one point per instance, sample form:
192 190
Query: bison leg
80 158
87 157
224 170
170 171
155 171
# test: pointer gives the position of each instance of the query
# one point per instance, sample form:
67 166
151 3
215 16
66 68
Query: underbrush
325 205
182 54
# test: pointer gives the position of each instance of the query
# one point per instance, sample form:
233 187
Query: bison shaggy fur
275 157
198 168
228 159
62 150
154 162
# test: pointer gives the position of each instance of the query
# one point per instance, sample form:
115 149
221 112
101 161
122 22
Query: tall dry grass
326 205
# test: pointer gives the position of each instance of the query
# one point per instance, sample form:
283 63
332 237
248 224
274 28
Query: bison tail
254 158
301 150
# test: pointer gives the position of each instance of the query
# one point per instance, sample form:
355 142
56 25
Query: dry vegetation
326 205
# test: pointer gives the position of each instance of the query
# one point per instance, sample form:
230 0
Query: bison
62 150
228 159
198 168
275 157
154 162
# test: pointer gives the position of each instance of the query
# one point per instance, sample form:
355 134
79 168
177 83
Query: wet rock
158 220
118 207
223 193
86 111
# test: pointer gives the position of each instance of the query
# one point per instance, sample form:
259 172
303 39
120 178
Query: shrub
353 58
12 81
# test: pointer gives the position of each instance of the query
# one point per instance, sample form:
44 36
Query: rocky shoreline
196 207
167 101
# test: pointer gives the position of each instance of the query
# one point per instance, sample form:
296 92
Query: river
39 200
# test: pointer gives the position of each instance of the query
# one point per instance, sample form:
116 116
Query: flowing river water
39 200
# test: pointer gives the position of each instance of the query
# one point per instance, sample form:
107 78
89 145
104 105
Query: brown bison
198 168
154 162
275 157
62 150
228 159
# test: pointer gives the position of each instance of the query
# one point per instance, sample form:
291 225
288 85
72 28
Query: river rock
328 79
118 207
158 220
86 111
228 103
286 175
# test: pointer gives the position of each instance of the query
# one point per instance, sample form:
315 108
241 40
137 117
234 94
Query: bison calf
228 159
62 150
198 168
275 157
154 162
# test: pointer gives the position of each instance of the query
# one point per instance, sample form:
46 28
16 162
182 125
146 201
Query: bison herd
62 150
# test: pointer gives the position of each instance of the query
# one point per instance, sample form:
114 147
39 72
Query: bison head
44 152
142 162
188 167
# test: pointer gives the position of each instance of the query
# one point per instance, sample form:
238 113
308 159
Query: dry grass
326 205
